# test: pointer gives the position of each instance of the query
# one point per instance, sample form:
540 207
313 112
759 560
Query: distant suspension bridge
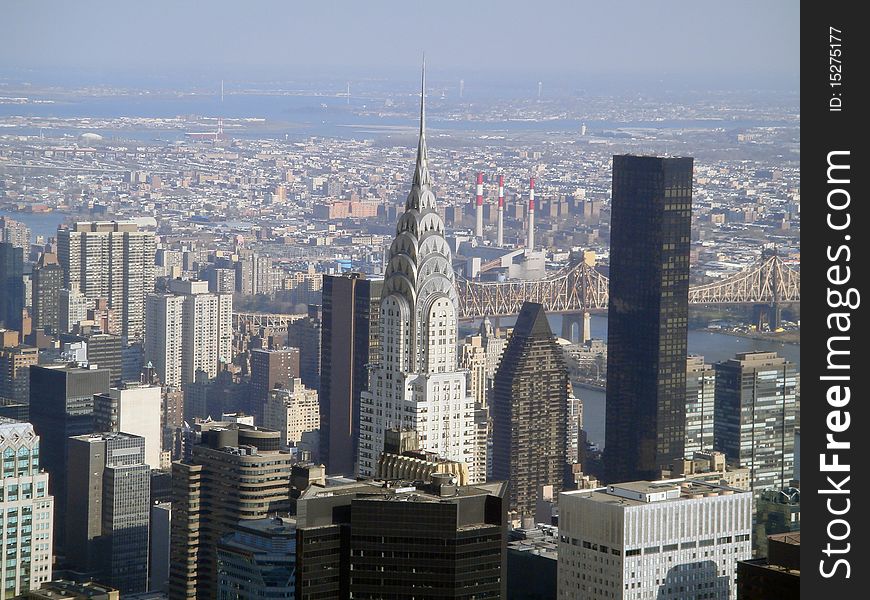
769 282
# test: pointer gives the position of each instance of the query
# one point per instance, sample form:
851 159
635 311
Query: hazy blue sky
730 38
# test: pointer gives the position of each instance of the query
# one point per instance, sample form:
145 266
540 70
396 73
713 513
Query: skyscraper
305 334
12 284
111 260
73 307
108 508
647 315
187 331
236 473
47 283
14 232
351 307
755 412
700 402
530 412
27 509
61 406
271 369
132 408
103 350
163 336
417 384
295 413
372 540
253 274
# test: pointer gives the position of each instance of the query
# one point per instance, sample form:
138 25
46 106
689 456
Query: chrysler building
418 385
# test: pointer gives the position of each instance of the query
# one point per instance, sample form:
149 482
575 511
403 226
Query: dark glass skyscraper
372 540
12 285
62 406
108 506
47 281
648 315
530 412
351 307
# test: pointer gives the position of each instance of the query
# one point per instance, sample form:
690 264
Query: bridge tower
582 322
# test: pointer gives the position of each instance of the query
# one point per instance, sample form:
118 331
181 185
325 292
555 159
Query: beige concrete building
112 260
668 540
294 412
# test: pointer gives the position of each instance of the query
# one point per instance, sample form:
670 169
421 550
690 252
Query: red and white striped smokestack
478 224
480 189
499 241
530 244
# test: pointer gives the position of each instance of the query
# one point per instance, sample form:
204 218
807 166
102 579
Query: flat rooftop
638 493
398 490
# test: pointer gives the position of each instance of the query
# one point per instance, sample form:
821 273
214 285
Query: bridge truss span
582 287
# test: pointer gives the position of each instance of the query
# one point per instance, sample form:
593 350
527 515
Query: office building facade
27 512
47 281
700 406
668 540
73 306
12 284
295 413
102 350
372 540
258 560
135 409
271 368
351 309
62 406
755 415
15 365
651 218
778 575
305 334
530 412
108 509
14 232
235 473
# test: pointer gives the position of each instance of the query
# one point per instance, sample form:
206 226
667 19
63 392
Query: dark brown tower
530 411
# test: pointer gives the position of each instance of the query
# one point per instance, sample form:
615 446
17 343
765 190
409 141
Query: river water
44 224
714 347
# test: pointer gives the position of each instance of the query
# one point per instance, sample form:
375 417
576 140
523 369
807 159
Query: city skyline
279 321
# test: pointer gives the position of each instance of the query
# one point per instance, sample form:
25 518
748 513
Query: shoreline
791 337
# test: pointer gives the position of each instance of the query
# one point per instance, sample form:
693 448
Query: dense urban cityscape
379 338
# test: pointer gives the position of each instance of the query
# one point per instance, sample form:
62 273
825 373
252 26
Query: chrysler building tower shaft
417 384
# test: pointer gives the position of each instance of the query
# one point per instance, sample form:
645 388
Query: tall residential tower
111 260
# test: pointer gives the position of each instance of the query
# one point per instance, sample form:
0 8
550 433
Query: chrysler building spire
421 170
417 383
